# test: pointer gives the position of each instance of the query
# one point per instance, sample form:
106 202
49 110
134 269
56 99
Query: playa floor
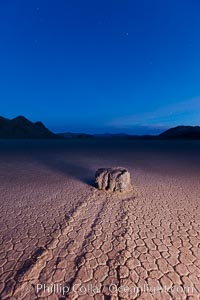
61 238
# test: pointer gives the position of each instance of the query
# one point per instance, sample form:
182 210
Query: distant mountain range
71 135
22 128
179 132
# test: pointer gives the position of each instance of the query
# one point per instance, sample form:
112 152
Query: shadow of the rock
76 170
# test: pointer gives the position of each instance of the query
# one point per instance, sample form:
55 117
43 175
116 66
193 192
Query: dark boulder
113 179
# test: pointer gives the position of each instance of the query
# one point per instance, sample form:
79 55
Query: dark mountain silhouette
182 132
22 128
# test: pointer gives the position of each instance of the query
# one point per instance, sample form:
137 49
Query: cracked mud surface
58 229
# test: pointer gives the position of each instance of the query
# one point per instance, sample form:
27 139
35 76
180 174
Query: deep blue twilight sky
101 65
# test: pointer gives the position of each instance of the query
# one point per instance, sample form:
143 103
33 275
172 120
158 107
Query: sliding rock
113 179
